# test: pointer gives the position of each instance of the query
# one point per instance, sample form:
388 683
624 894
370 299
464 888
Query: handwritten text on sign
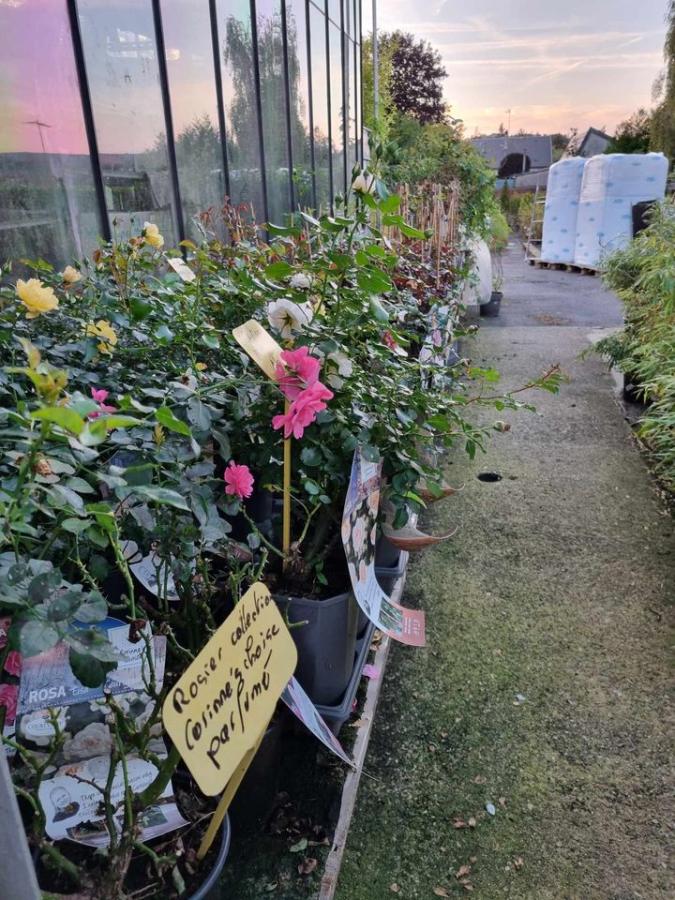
222 702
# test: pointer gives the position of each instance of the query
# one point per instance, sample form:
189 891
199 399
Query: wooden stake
228 796
286 521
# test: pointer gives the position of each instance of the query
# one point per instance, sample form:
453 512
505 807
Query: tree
411 74
663 117
632 136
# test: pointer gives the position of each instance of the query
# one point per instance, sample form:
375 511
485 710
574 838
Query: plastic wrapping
560 211
610 187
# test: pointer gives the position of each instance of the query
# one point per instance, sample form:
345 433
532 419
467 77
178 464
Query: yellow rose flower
104 330
200 367
70 275
152 236
36 297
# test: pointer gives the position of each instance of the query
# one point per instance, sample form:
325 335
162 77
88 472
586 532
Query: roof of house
593 143
535 146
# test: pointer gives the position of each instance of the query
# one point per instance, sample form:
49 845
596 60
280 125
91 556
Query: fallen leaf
308 865
518 862
441 892
370 671
472 822
479 779
473 859
459 823
357 723
520 699
467 886
299 847
394 888
502 802
463 871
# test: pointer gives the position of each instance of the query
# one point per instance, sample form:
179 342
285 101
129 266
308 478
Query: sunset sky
577 63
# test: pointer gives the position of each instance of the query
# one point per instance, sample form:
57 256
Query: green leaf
92 641
373 281
311 487
88 670
164 334
166 418
36 637
118 421
65 418
379 312
311 456
94 609
390 204
164 496
79 485
210 340
75 526
279 269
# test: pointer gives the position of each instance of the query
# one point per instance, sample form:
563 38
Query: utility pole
40 125
508 127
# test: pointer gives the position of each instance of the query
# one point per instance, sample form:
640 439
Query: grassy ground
545 689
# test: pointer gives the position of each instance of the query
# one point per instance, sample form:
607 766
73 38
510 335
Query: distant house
594 143
510 155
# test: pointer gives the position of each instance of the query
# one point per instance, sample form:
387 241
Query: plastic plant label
220 705
181 268
359 525
301 706
259 344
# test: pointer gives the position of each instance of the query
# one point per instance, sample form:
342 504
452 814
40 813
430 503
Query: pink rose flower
99 395
9 695
238 480
13 663
299 372
303 410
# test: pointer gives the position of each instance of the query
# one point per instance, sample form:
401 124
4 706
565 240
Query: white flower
344 367
364 183
287 317
94 740
300 281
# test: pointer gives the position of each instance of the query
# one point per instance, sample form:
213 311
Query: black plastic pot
491 308
387 576
386 554
326 643
254 798
211 880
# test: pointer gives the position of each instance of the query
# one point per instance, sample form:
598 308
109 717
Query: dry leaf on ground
463 871
308 865
394 888
441 892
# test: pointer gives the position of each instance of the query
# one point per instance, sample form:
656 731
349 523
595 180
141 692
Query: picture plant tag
219 707
181 268
259 344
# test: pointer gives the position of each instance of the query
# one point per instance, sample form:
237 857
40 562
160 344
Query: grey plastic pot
326 643
491 308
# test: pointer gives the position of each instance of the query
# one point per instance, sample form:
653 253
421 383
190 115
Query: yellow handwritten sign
259 344
219 707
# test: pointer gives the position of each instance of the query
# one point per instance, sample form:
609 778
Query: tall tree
632 136
410 75
663 117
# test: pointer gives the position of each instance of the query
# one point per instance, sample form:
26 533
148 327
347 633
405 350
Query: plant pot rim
294 598
212 878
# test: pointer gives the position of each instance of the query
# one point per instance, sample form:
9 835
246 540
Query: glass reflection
298 77
121 57
47 197
350 108
337 134
273 102
317 28
241 105
194 107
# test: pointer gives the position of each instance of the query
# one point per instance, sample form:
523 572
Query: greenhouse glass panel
298 78
317 25
337 133
274 106
240 97
350 108
48 202
122 67
194 106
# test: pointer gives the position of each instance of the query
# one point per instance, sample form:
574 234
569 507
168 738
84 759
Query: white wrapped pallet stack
611 186
560 210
